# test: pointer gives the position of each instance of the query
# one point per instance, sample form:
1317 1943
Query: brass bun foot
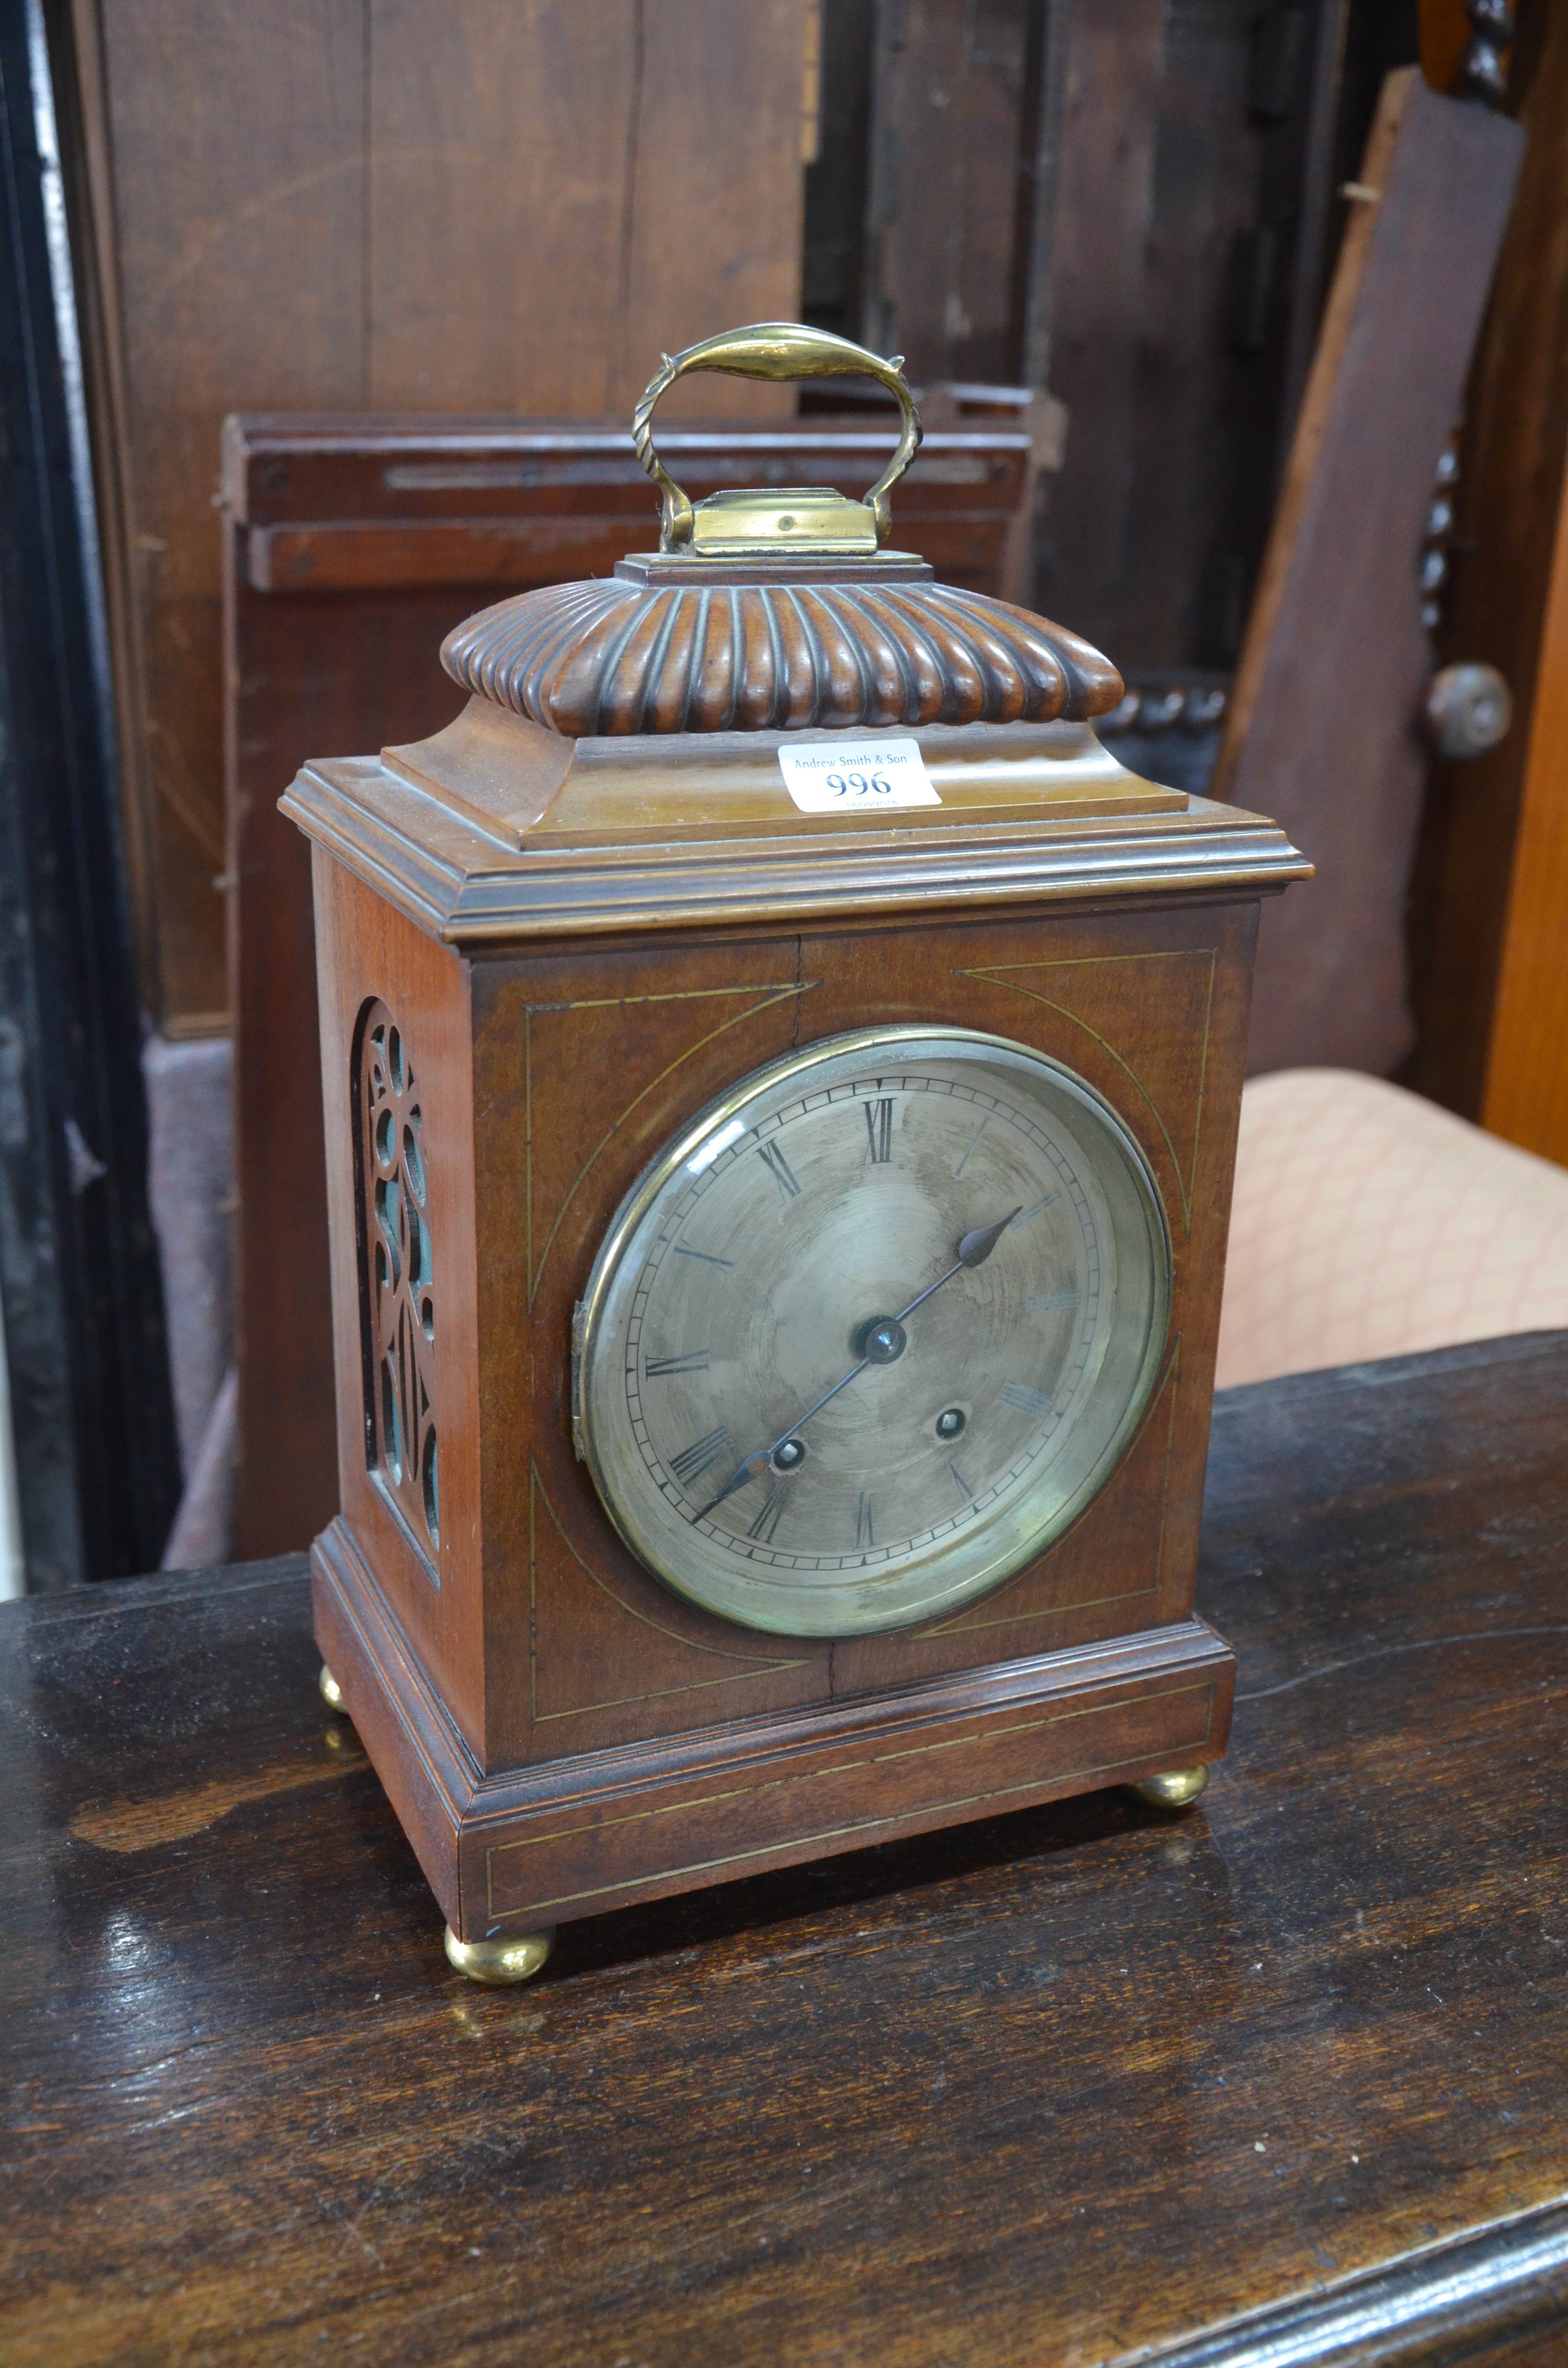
331 1691
1177 1789
513 1958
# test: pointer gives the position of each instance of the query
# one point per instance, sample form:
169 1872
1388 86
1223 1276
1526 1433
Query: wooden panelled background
1132 200
491 205
512 206
1190 158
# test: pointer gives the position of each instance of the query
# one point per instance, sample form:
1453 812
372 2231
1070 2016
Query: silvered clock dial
872 1330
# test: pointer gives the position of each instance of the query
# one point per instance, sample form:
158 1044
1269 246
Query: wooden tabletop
1283 2079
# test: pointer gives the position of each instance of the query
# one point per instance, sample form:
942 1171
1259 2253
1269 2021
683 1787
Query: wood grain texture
1317 406
578 1835
472 501
585 1059
1175 268
994 2095
1527 1070
699 830
1509 496
951 117
1444 30
1332 677
1100 244
1150 1009
714 228
332 204
239 231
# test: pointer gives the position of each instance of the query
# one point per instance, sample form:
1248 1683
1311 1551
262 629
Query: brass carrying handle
774 349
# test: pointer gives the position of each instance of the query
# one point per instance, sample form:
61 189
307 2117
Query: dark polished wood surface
1044 2090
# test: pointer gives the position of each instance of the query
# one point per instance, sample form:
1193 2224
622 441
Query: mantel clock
782 1078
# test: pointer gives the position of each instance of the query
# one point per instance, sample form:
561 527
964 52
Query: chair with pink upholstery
1368 1223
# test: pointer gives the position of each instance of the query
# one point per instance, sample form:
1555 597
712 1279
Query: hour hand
750 1470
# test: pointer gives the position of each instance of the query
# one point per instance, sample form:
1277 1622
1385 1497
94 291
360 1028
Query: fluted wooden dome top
774 610
671 645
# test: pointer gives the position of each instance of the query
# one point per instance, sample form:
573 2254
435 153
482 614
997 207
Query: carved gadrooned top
614 657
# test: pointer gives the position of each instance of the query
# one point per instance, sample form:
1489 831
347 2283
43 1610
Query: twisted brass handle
773 349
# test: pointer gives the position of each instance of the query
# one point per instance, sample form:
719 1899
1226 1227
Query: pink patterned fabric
1368 1223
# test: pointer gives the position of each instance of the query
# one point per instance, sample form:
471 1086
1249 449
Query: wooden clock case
546 939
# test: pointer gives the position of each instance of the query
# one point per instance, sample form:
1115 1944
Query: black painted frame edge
97 1461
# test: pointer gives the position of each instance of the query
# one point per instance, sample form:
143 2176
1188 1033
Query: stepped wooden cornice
663 647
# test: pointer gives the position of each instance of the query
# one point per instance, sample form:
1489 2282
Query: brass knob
805 519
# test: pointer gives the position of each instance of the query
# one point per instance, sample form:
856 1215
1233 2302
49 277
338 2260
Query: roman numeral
865 1536
879 1128
1034 1403
974 1138
778 1166
694 1362
961 1484
701 1454
681 1251
1043 1203
767 1520
1044 1301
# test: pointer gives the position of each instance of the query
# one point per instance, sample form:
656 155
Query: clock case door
560 1733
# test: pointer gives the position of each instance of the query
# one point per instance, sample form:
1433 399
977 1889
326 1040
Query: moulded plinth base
523 1850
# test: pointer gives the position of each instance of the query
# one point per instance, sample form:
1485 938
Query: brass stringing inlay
396 1283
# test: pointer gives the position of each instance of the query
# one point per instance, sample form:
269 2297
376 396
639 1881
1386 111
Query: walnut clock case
777 1236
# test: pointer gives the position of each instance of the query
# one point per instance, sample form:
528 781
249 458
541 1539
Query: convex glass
872 1330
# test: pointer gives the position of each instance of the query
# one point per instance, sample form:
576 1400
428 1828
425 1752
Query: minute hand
973 1250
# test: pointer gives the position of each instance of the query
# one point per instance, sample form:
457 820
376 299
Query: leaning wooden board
1284 2080
1323 726
352 545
